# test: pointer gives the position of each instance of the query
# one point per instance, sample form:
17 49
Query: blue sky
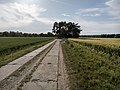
37 16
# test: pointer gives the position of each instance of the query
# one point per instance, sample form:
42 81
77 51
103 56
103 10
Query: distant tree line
103 36
49 34
65 29
20 34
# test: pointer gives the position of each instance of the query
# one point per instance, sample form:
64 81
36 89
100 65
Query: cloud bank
17 15
30 15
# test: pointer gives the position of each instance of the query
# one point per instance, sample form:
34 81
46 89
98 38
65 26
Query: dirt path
45 72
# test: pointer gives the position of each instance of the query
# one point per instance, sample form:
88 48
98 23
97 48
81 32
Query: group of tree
20 34
103 36
65 29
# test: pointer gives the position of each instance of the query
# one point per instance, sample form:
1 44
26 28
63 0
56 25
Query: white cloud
114 8
90 12
58 1
65 15
16 15
96 14
95 27
47 21
92 27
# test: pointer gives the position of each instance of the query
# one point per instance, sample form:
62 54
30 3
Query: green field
12 48
93 63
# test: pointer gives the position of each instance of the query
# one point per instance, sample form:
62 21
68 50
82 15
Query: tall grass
89 69
109 46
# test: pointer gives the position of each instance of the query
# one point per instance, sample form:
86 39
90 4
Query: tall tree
66 30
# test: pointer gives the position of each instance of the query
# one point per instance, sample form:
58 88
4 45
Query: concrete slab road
46 75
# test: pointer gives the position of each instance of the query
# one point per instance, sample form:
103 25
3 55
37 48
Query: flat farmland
12 48
93 63
106 45
110 42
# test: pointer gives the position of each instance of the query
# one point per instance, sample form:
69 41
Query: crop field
93 63
12 48
106 45
110 42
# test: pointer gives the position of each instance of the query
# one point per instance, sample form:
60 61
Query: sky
38 16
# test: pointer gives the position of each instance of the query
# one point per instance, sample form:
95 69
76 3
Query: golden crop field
111 42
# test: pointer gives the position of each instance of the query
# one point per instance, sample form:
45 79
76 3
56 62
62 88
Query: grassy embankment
93 64
12 48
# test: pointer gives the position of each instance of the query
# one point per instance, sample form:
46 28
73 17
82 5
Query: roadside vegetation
12 48
90 65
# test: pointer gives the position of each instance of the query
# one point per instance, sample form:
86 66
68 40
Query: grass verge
89 69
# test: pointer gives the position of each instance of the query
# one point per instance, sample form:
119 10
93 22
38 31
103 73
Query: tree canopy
66 30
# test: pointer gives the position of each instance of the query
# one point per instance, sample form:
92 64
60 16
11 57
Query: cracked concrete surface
51 73
46 75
